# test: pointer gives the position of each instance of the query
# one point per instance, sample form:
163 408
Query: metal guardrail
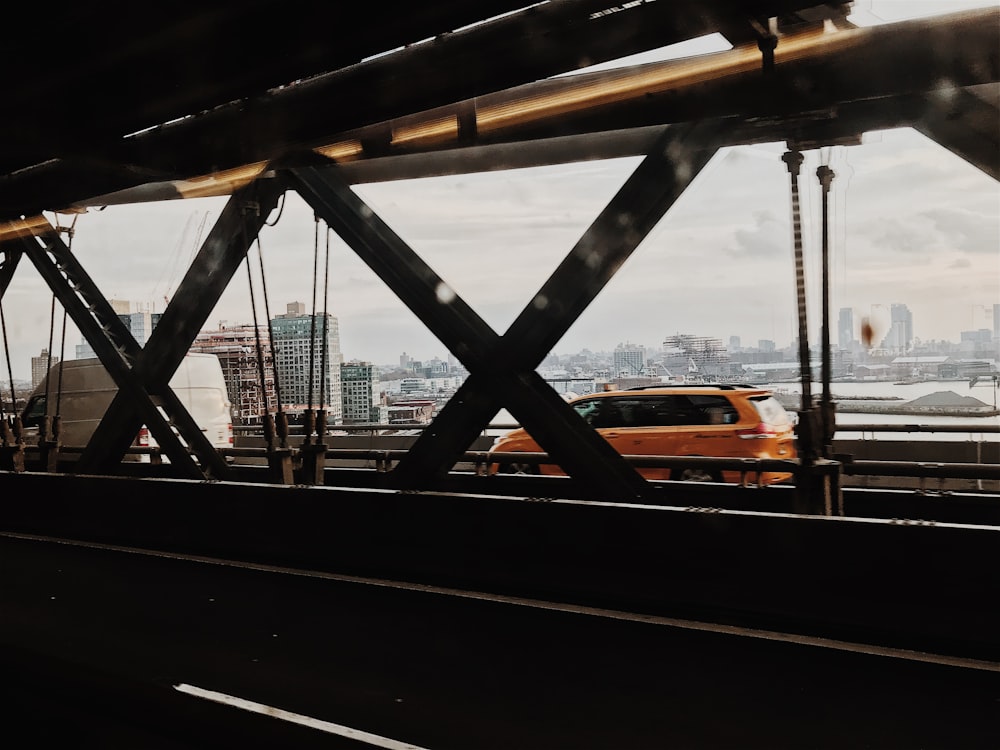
986 429
383 460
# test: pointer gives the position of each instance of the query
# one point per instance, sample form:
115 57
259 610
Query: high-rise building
359 393
845 329
307 358
900 336
40 366
628 360
236 347
996 330
734 344
138 319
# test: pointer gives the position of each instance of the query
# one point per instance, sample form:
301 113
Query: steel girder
502 369
536 42
220 256
944 71
8 264
897 75
113 344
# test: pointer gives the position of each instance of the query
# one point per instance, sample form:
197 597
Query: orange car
732 421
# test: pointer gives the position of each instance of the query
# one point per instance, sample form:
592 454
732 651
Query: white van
84 390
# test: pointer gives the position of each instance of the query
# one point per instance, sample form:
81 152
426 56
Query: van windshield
34 412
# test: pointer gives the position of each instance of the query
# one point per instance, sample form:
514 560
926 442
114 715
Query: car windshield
771 411
34 412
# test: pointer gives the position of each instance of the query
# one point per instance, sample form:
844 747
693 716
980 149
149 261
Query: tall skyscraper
900 336
40 366
359 393
845 329
300 340
628 360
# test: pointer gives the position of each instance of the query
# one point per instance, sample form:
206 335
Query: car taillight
142 438
229 432
762 430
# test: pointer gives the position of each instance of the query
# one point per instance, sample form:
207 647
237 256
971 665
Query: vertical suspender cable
825 176
312 324
324 378
62 360
257 342
10 369
270 333
71 231
806 427
794 160
48 368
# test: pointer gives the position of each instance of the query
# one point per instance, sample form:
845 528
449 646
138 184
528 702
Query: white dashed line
307 721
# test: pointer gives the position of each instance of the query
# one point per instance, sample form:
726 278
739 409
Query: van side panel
86 390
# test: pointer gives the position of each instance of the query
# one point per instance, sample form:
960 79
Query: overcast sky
911 223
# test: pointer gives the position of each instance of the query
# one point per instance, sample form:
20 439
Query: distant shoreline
896 405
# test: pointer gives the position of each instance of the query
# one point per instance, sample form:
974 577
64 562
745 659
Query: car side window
659 412
589 410
712 410
619 412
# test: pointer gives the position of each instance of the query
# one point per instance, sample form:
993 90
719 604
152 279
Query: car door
641 425
706 426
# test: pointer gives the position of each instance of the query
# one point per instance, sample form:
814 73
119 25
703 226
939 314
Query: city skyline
911 223
624 350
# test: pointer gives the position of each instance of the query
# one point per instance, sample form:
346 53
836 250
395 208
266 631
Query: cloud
768 237
965 230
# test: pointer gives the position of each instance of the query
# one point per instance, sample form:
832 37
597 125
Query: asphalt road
94 641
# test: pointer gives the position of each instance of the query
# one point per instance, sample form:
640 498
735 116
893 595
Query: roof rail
720 386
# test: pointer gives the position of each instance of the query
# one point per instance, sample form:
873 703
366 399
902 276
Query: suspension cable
70 233
270 327
324 378
793 159
10 369
259 348
825 176
48 359
312 324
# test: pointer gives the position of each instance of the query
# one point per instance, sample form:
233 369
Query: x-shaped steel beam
111 340
502 369
217 261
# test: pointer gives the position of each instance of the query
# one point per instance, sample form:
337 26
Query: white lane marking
306 721
611 614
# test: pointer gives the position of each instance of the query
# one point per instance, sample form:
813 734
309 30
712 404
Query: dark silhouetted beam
673 162
586 456
220 256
